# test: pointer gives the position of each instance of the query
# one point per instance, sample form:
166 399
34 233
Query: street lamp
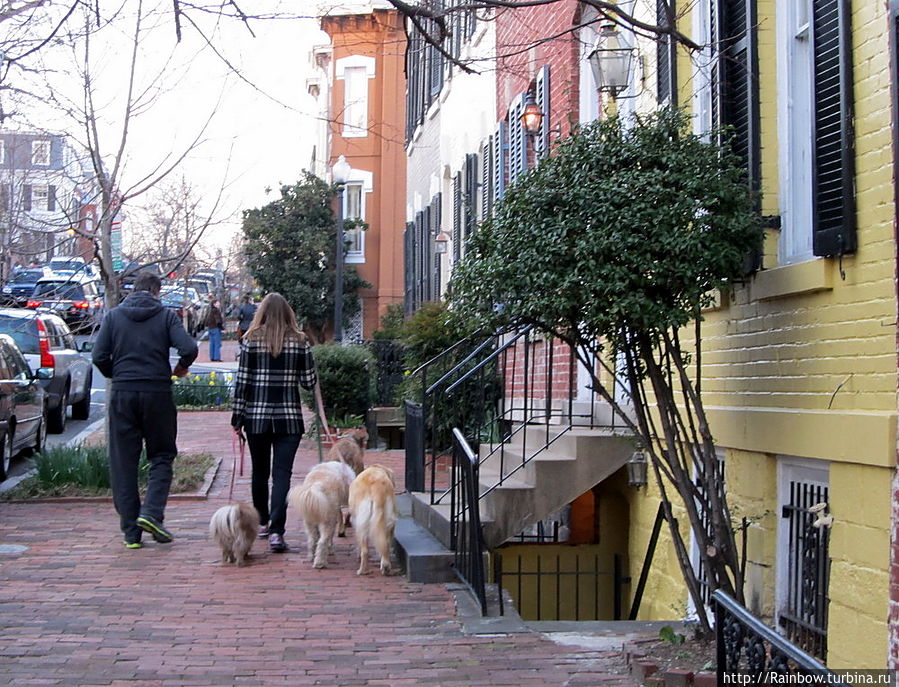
340 172
611 61
532 116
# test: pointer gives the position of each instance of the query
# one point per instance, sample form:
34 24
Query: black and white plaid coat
267 389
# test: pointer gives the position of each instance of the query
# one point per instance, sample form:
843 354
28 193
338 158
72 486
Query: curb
202 494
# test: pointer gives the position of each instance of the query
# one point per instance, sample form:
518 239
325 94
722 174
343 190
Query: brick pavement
77 608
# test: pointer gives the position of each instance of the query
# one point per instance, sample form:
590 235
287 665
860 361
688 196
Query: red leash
237 438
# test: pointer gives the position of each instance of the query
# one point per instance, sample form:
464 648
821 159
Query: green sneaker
155 529
132 544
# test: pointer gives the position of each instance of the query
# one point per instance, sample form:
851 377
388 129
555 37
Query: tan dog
350 449
373 509
319 500
234 529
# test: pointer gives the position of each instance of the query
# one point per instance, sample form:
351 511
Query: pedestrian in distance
132 349
245 314
275 361
214 323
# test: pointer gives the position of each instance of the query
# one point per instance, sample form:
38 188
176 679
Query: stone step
422 556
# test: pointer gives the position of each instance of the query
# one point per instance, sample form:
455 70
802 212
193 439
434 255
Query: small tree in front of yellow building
614 244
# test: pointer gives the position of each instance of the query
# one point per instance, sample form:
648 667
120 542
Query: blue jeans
215 344
272 454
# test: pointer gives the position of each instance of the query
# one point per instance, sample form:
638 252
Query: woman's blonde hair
274 322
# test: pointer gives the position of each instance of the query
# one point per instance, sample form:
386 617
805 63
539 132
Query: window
355 105
354 208
816 111
40 153
40 197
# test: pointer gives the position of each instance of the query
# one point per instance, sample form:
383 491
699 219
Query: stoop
423 557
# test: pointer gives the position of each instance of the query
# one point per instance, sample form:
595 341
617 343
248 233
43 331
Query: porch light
440 242
636 469
532 116
611 61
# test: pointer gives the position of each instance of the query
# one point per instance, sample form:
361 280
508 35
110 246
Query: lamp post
340 172
611 61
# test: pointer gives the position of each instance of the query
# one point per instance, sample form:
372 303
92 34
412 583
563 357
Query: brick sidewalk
79 609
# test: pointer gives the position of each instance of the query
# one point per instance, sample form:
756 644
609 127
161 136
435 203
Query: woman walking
275 360
214 323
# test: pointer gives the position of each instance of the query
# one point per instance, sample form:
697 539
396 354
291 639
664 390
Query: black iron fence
749 648
389 355
562 582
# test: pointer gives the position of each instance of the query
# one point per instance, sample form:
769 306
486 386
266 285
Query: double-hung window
40 153
817 163
353 199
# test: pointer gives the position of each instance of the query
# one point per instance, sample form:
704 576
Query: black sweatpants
137 418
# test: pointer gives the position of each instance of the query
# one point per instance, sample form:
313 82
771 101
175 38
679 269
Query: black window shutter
457 217
471 196
51 198
666 55
409 268
541 142
834 222
740 96
26 197
487 178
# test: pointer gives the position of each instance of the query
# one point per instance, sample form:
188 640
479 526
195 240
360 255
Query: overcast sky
260 132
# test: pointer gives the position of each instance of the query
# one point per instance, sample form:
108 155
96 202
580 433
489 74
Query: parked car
70 264
23 407
76 299
174 301
21 285
48 344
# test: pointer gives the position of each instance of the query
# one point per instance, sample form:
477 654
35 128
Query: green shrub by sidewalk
347 378
84 471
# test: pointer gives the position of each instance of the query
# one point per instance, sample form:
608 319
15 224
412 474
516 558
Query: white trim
794 116
790 468
365 179
341 65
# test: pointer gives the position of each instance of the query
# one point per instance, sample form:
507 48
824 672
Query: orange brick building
366 123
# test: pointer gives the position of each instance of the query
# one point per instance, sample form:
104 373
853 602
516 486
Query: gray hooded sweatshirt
133 344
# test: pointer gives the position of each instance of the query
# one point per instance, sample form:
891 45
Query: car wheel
5 455
56 418
40 437
81 410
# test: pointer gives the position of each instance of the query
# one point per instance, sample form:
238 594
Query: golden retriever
373 510
319 500
234 528
350 449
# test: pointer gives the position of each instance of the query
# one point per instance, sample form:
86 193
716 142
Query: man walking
132 349
245 314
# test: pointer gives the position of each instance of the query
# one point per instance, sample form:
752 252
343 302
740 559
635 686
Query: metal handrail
737 629
458 366
465 523
490 358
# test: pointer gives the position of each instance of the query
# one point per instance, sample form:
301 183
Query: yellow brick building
799 362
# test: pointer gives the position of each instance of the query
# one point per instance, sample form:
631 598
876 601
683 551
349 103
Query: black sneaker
155 529
276 543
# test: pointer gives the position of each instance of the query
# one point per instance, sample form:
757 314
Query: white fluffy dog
373 510
318 500
234 528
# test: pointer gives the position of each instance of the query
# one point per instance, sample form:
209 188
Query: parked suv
48 346
23 410
75 299
21 285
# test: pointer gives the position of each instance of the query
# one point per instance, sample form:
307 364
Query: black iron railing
465 525
503 385
749 648
389 355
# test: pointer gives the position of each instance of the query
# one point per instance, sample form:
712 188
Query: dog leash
238 447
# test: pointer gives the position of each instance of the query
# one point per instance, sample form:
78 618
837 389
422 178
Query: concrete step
423 558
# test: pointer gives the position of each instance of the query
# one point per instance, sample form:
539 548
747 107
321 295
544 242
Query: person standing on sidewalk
275 361
132 349
214 323
245 316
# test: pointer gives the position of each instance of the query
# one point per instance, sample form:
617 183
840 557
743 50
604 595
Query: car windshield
72 265
171 300
59 290
23 332
27 276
